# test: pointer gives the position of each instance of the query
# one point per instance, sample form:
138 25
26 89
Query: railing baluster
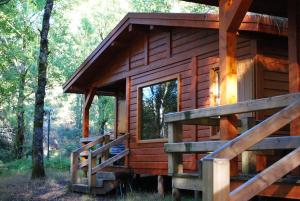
91 164
174 159
74 167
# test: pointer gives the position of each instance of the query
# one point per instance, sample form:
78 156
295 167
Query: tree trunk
19 142
38 170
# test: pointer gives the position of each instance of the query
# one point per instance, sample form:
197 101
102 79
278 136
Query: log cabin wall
191 53
160 53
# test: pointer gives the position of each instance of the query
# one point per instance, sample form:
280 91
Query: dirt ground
54 188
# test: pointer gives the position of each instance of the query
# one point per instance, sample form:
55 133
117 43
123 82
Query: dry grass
55 187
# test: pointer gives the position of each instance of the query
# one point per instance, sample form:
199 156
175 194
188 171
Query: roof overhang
127 27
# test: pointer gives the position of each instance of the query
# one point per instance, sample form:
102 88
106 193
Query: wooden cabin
173 65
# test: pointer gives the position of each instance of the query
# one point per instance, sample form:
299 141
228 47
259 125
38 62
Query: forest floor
55 187
19 187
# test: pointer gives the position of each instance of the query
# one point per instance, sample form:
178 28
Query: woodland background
76 28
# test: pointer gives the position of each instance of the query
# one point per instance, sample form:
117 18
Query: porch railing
214 175
88 157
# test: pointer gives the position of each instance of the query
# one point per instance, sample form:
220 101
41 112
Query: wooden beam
238 108
258 132
264 179
294 56
232 13
272 143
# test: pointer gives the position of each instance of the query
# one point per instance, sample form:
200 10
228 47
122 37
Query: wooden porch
215 177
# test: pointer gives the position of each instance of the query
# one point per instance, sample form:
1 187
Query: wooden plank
216 179
110 161
258 132
204 121
270 175
107 146
271 143
238 108
187 183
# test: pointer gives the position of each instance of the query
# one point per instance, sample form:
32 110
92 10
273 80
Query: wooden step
106 187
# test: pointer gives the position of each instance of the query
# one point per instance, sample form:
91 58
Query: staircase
87 158
213 178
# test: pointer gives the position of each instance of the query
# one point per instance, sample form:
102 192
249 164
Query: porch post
231 15
89 96
294 55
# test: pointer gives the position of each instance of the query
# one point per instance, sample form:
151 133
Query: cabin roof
268 7
132 23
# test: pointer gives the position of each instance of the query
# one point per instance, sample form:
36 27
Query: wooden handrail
256 134
89 145
241 107
109 161
270 143
267 177
105 147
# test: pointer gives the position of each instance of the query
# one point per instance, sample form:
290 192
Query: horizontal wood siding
160 47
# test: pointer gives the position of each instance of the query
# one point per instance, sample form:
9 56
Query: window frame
139 96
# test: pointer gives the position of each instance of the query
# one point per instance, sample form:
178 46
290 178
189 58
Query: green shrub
58 162
23 166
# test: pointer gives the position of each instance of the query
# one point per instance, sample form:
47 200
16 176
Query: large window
156 99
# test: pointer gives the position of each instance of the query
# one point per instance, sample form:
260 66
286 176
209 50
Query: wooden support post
105 154
294 60
294 55
175 194
196 195
74 167
216 179
231 14
248 157
89 96
127 143
174 159
194 89
160 186
92 178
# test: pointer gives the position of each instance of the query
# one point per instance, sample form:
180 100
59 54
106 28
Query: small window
156 99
